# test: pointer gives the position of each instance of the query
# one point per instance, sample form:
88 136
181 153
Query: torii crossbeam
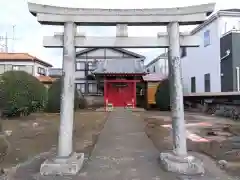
160 41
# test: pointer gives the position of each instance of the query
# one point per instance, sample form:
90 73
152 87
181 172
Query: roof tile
120 66
21 56
45 79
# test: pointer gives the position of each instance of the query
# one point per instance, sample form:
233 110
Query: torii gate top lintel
52 15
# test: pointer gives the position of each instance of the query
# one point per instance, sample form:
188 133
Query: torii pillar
67 162
178 160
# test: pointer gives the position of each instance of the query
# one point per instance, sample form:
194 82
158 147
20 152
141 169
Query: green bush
20 93
162 95
54 98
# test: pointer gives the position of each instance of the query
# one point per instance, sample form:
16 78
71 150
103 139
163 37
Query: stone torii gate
68 162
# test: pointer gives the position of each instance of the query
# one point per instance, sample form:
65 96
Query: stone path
124 152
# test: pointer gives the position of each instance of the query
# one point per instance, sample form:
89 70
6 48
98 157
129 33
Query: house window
183 52
148 70
41 71
19 68
80 66
80 87
81 74
206 38
2 68
15 68
207 83
193 84
92 88
154 69
90 66
89 72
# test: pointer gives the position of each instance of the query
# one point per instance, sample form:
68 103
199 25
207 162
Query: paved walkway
124 152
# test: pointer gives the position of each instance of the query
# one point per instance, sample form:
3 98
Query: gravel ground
38 133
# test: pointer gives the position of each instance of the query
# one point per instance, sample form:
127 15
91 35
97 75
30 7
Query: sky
17 22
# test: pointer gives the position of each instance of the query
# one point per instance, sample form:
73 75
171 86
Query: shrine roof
154 77
120 66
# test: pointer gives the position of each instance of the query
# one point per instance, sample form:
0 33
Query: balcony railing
231 31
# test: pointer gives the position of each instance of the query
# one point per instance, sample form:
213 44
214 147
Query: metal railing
231 31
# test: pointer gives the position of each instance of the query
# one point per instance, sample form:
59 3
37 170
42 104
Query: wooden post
134 94
105 93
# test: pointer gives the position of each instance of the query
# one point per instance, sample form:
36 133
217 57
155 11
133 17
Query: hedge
162 95
21 93
54 98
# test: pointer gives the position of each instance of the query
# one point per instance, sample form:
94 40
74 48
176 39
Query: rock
155 121
232 155
35 125
222 133
234 139
236 145
2 171
8 132
211 133
222 163
151 125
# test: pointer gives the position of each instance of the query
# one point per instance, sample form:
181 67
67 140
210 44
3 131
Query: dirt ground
219 138
37 133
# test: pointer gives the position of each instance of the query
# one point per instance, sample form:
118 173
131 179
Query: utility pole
4 45
13 37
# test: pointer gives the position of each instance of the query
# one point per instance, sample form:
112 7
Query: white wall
10 64
161 66
36 65
30 67
99 55
203 60
228 23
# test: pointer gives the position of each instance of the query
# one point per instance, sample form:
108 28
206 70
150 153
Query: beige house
25 62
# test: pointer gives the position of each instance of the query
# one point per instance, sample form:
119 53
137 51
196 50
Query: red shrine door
120 94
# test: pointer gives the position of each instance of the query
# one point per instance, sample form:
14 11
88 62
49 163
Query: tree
20 93
162 95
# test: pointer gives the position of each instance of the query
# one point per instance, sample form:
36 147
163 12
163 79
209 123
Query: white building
201 66
23 62
158 65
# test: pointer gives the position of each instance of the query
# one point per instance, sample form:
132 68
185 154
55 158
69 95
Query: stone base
183 165
62 166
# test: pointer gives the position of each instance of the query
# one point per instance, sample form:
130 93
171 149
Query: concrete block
183 165
62 166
